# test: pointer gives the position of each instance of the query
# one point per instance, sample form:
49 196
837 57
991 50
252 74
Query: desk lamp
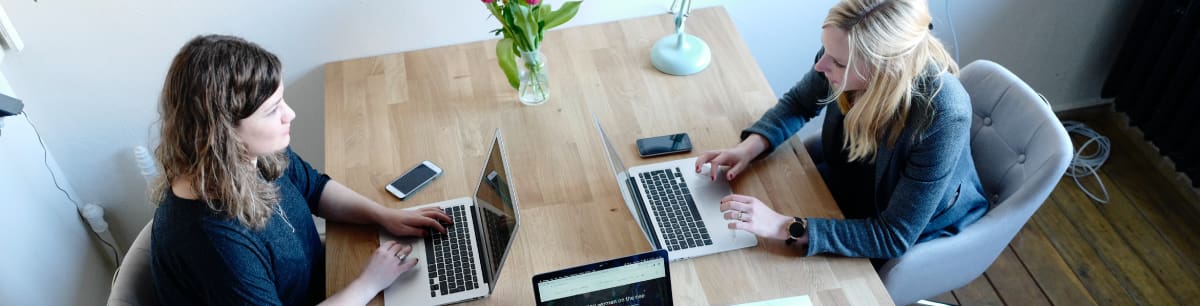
680 53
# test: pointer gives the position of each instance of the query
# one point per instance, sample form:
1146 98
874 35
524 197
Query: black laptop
641 279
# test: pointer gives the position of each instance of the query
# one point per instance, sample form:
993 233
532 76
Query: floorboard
1013 283
1141 248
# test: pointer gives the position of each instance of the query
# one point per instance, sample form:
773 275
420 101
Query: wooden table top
386 113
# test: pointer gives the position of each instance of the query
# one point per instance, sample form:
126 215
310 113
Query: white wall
91 70
1062 48
48 257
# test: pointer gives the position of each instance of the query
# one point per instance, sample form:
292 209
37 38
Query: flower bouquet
522 24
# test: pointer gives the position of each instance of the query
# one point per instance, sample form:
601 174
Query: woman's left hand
413 222
751 215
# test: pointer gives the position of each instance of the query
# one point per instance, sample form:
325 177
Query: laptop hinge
484 253
643 214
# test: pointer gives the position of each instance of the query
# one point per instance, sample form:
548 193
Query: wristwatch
797 229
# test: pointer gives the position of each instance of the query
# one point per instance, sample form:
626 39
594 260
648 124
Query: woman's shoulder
182 223
946 97
939 101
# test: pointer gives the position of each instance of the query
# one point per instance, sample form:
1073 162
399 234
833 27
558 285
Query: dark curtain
1156 80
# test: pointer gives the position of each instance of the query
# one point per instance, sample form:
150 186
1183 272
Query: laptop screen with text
642 279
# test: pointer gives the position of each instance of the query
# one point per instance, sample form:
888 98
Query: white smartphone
414 179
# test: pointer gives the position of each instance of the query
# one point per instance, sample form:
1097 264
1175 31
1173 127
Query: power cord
46 162
1087 164
953 33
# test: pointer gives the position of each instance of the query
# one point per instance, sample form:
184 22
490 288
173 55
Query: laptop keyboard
449 259
678 218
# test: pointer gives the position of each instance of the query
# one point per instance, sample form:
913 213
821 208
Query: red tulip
533 2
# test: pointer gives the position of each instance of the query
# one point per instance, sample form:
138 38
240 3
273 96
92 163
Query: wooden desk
386 113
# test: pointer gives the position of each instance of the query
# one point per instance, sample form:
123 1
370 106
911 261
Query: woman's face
268 130
833 62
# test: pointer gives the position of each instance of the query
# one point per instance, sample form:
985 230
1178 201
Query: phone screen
413 179
664 144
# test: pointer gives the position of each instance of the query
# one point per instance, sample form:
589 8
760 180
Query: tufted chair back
1021 151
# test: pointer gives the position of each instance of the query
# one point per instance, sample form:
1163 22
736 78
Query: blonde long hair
894 37
213 83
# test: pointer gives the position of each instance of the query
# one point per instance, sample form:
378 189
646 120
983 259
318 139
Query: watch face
796 229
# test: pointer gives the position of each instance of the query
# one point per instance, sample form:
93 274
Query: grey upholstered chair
1021 151
132 284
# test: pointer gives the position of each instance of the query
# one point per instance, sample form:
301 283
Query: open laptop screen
642 279
496 208
627 186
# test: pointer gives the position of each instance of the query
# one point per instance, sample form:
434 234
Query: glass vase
535 86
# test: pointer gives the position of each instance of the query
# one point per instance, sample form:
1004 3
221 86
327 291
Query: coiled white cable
1087 164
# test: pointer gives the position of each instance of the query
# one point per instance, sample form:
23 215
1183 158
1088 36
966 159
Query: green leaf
508 61
541 24
561 15
515 15
507 11
524 16
518 36
543 10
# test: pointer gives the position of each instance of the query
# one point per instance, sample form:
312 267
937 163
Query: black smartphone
663 145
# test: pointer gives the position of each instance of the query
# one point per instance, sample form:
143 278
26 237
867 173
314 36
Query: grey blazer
925 185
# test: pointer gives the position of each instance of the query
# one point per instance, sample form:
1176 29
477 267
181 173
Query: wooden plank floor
1141 248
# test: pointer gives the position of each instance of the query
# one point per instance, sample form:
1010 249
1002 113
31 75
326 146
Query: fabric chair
132 284
1021 150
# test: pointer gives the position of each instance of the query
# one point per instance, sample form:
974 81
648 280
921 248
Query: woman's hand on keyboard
413 223
737 158
749 214
387 263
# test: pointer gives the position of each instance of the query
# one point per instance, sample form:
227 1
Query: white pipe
94 214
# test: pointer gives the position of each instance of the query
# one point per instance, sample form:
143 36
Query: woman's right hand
737 158
387 263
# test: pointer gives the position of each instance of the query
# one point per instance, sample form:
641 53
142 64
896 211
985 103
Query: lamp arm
685 8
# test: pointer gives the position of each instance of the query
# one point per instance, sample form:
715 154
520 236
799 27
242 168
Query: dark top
201 257
852 183
925 186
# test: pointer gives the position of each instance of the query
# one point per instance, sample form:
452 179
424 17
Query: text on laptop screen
643 282
497 213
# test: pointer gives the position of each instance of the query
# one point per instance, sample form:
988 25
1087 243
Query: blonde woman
234 219
894 146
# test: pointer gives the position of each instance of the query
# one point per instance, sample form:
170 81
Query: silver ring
741 216
401 257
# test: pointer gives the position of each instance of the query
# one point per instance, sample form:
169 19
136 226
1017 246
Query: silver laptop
464 263
677 209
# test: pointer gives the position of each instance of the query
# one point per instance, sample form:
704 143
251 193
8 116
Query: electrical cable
46 162
953 33
1086 164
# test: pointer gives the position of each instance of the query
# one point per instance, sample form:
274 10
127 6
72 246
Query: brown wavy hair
213 83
